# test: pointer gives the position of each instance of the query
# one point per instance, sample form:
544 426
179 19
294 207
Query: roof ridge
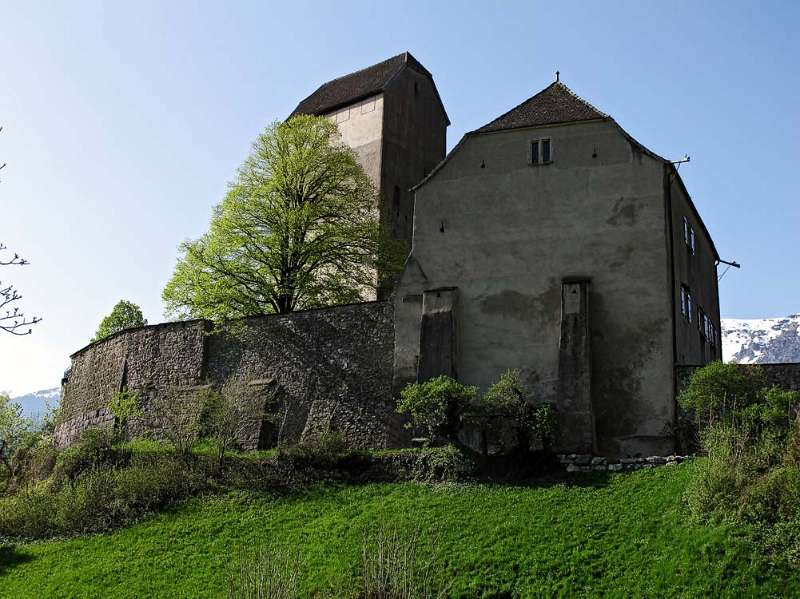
372 66
577 97
555 104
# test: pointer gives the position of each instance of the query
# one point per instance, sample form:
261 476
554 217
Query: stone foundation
587 463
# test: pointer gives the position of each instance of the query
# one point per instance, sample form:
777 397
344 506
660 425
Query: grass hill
624 535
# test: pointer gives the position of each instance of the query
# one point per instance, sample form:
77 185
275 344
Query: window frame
689 238
536 151
688 304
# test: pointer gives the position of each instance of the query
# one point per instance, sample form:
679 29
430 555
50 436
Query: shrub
98 499
124 405
327 451
719 391
507 416
93 449
772 497
223 410
33 461
436 406
179 415
266 574
391 567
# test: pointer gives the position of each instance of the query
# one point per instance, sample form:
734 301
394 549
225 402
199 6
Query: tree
437 406
297 229
13 426
12 319
125 315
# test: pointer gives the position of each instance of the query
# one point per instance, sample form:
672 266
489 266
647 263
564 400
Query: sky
123 122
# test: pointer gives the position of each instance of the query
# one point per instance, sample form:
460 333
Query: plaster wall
361 126
506 233
414 142
699 272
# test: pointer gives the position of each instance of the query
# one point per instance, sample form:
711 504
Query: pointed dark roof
554 104
360 85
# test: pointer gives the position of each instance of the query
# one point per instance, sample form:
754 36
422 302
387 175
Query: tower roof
361 84
554 104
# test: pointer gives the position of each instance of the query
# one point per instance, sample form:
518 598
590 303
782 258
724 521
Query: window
541 151
687 303
702 323
688 235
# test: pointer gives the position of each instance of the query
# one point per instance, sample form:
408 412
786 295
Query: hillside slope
619 535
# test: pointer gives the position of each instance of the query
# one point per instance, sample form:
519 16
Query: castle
548 240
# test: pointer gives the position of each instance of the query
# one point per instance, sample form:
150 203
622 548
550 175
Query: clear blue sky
125 120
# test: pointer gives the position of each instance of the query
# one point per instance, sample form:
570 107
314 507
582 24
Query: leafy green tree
125 315
297 229
436 406
13 427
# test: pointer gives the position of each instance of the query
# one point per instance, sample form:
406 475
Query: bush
750 433
429 464
94 449
391 567
719 391
509 419
124 405
33 461
99 498
327 451
267 574
436 406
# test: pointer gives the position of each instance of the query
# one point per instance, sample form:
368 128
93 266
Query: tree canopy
297 229
125 315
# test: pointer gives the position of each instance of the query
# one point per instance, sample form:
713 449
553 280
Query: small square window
540 151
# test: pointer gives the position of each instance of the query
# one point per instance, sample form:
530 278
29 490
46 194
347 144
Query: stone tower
392 116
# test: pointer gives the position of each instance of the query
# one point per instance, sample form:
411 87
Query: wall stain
513 304
623 213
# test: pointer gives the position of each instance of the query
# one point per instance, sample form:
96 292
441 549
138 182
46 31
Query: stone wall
328 369
785 376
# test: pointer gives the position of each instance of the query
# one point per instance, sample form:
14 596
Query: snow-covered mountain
34 405
762 340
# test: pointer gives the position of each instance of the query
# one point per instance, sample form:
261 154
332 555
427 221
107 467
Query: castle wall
507 233
331 368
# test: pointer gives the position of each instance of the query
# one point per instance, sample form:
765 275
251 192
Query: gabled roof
558 104
554 104
360 85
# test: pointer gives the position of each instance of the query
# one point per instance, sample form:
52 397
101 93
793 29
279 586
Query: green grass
622 536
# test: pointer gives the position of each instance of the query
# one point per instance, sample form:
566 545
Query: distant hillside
35 404
762 340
